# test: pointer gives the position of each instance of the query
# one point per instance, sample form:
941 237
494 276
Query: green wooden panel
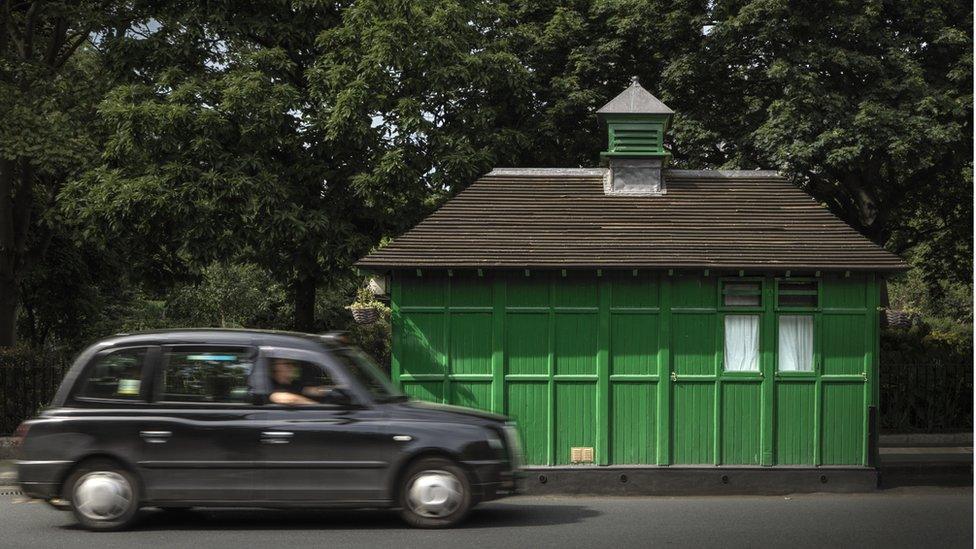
575 345
527 343
633 423
473 394
796 434
634 343
575 421
470 290
423 343
693 420
428 290
576 289
528 291
528 404
636 419
844 293
843 423
634 291
693 291
843 343
432 391
693 345
470 343
741 422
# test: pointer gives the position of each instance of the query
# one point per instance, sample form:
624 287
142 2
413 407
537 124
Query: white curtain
742 343
795 343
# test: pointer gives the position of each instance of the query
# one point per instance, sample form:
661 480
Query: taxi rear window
116 375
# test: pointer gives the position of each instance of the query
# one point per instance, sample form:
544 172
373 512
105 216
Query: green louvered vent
636 138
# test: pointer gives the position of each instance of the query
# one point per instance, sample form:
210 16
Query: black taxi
209 418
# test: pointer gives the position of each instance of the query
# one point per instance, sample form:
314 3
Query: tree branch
78 40
27 46
57 40
4 18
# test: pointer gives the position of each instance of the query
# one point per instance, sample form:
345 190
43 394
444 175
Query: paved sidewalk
926 454
8 473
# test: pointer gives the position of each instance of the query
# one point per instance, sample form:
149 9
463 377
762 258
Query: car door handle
276 437
155 437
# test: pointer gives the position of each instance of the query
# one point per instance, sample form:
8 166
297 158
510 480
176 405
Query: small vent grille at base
11 492
581 454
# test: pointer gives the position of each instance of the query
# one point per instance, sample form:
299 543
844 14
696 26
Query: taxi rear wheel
435 493
104 495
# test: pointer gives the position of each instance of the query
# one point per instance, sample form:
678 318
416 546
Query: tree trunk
9 296
304 298
8 255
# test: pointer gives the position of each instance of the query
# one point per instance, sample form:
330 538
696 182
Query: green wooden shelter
636 314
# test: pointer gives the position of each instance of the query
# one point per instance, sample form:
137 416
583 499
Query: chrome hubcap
434 494
102 495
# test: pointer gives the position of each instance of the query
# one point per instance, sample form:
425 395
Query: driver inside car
289 388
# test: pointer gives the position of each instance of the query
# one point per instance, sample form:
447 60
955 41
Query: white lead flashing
588 172
732 174
605 172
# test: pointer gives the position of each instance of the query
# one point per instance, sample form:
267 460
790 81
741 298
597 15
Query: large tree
294 134
49 87
867 105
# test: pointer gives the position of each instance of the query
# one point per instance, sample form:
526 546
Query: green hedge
926 380
28 380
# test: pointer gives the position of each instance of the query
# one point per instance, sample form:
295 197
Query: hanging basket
893 318
365 316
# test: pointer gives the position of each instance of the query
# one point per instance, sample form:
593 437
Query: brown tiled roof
553 218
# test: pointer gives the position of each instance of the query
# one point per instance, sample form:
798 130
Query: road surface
900 517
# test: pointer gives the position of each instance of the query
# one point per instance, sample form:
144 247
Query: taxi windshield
362 367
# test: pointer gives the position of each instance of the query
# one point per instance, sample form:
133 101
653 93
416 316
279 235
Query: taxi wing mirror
339 396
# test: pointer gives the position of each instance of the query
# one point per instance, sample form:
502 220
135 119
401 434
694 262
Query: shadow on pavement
491 516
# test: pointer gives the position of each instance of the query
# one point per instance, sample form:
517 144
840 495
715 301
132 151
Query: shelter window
742 294
797 294
741 343
795 343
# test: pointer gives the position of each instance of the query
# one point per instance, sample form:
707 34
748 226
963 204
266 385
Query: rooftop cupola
636 123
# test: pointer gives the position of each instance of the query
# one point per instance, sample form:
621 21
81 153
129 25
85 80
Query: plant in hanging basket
365 309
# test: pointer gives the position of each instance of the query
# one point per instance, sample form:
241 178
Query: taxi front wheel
435 493
103 495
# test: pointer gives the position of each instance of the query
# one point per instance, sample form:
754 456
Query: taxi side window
299 377
206 374
116 375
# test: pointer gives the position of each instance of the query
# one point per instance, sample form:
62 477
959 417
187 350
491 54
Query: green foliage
921 345
49 86
945 301
229 296
293 135
82 292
